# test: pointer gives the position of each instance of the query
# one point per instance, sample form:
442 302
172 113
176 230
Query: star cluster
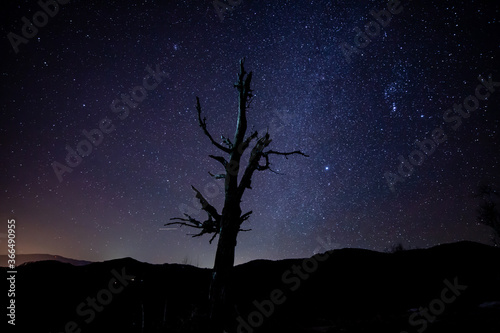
354 107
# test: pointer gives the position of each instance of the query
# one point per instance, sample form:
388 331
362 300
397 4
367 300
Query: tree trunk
223 266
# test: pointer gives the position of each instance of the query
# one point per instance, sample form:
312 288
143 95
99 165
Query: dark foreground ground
448 288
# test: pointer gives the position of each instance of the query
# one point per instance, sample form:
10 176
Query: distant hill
25 258
447 288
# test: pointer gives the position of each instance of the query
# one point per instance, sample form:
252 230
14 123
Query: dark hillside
350 290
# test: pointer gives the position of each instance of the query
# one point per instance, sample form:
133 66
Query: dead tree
228 223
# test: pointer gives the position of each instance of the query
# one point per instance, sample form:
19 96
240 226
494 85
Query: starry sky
354 105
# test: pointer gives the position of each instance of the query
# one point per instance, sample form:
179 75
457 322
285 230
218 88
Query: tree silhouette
227 224
488 211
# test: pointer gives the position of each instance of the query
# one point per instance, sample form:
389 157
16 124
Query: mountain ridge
34 257
350 290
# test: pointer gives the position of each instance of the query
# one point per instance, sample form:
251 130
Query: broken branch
212 212
203 125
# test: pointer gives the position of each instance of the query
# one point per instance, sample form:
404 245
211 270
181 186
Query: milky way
357 87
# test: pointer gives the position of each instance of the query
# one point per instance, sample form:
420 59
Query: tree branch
253 163
203 125
209 226
218 176
267 166
298 152
219 159
194 223
211 211
255 156
211 239
245 217
245 93
246 143
227 142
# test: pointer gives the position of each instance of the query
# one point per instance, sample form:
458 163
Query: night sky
353 108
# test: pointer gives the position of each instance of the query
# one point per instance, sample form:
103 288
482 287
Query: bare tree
488 211
227 224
